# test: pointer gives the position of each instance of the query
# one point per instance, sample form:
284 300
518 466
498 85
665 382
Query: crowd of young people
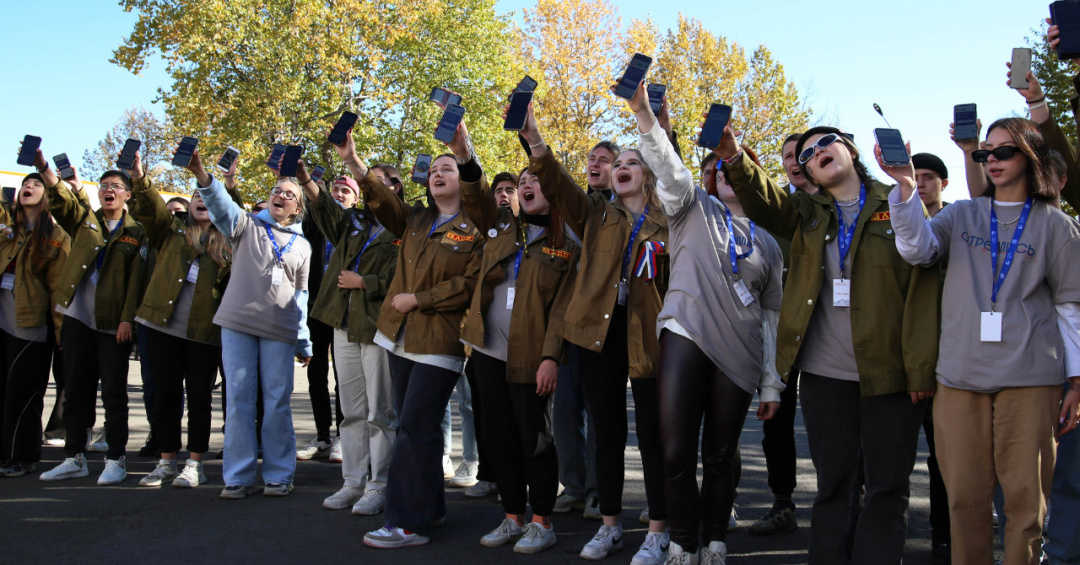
882 309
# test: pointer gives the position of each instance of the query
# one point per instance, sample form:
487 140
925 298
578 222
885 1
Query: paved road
76 521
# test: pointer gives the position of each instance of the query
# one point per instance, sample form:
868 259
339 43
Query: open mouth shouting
108 197
824 160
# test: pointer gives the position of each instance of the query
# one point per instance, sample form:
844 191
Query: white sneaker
115 472
164 472
389 537
592 509
335 450
316 448
714 554
652 551
482 489
55 442
191 475
370 504
465 475
70 468
535 538
606 541
644 517
98 445
507 532
678 556
447 467
733 521
343 498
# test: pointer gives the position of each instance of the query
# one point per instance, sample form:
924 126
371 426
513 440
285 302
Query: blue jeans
468 423
1064 544
575 442
245 356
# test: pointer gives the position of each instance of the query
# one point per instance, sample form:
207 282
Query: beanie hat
931 162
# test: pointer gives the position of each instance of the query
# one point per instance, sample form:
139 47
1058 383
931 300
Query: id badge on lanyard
991 323
193 272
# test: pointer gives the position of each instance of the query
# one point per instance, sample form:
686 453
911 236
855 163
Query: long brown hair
556 232
431 211
43 228
216 246
1031 142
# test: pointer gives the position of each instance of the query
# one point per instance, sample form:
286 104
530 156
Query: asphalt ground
76 521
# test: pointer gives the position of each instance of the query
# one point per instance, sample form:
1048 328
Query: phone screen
342 127
28 151
1066 15
316 175
1021 64
713 129
275 155
891 142
127 156
439 95
63 166
449 123
518 111
964 126
656 97
228 159
9 194
289 161
420 169
185 151
527 84
632 77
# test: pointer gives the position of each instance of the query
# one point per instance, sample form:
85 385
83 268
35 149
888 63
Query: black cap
35 176
931 162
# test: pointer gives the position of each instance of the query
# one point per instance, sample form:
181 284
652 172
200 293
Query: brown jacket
544 284
440 267
36 278
605 229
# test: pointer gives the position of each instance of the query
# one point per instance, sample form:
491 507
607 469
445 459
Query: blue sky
916 59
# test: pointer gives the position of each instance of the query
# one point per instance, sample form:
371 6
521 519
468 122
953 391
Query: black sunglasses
822 142
1000 153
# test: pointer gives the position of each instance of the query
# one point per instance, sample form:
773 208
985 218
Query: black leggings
24 376
692 388
176 362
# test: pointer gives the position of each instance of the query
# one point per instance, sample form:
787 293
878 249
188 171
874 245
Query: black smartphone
289 161
893 151
184 151
228 158
1066 15
9 194
420 169
451 117
63 166
443 96
275 155
317 173
656 97
713 128
28 151
127 155
342 127
518 111
527 84
1021 65
964 126
633 75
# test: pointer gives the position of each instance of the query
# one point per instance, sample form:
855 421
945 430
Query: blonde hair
217 247
299 215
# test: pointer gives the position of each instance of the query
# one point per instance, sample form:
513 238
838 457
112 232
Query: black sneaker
16 469
776 521
150 448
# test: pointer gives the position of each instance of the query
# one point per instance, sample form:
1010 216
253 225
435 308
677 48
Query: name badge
624 290
277 275
743 292
841 292
193 272
990 329
94 277
510 292
8 281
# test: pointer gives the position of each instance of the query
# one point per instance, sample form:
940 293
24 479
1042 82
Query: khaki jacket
36 278
349 231
543 288
121 280
894 306
440 267
605 228
167 234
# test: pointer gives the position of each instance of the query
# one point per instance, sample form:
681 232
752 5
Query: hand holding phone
63 166
893 150
290 160
965 126
518 110
28 150
421 168
274 161
1020 67
633 76
127 155
1066 16
183 153
527 84
713 129
656 97
228 159
444 97
448 124
344 124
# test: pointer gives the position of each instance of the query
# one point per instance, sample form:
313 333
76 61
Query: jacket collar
295 227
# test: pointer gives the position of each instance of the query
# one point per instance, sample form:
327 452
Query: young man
506 191
796 179
931 178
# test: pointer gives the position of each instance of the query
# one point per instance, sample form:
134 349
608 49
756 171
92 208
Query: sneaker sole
238 494
532 550
185 484
306 457
396 544
356 512
459 484
111 483
617 546
73 475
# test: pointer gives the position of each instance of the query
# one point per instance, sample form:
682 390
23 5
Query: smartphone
63 166
656 97
451 117
185 151
275 155
713 128
228 159
9 194
420 169
289 161
893 151
127 155
527 84
633 75
518 111
1066 15
964 126
317 173
1021 65
28 151
342 127
443 96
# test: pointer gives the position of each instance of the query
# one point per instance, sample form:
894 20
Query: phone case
1066 15
28 151
1021 64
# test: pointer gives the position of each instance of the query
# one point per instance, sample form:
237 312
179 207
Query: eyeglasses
283 193
113 187
822 142
1000 153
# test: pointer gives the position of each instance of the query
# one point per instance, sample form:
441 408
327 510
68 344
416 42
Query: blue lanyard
732 252
279 252
356 263
847 233
101 254
435 226
633 236
1012 247
326 255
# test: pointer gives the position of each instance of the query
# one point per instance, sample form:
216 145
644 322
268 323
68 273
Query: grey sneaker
652 550
115 472
678 556
335 450
465 475
236 492
70 468
733 522
389 537
535 538
482 489
316 448
98 444
644 517
370 504
714 554
164 472
607 540
567 502
775 521
592 510
277 489
343 498
191 475
507 532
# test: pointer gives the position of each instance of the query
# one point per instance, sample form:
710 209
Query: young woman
862 326
420 325
33 251
617 296
1011 311
525 283
263 326
177 312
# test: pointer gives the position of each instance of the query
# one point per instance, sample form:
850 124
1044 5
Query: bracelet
1037 105
1030 102
537 144
733 158
42 171
350 162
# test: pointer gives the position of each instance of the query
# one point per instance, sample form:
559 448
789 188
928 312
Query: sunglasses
822 142
1000 153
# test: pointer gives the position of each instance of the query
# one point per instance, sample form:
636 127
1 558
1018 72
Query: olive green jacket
894 306
37 277
349 231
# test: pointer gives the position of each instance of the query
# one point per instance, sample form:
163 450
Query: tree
158 143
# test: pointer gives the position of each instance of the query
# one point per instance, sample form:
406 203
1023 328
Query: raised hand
136 170
967 145
904 175
196 168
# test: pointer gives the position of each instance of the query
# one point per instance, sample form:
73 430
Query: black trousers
23 379
90 357
318 375
485 471
516 427
940 524
779 441
605 375
176 363
693 389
